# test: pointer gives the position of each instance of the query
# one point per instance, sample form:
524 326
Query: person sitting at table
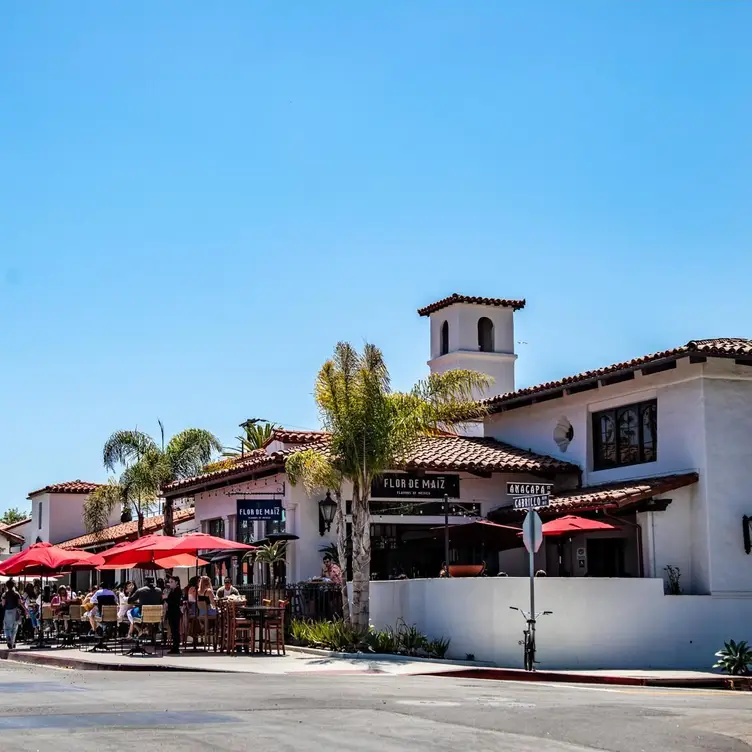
331 571
102 596
124 607
148 595
227 590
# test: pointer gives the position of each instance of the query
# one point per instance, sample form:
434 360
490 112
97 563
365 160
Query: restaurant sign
414 486
259 509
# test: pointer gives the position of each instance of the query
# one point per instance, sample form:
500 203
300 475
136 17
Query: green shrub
330 635
383 641
410 640
438 648
735 658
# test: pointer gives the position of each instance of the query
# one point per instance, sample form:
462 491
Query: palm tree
100 503
150 466
374 429
318 473
257 433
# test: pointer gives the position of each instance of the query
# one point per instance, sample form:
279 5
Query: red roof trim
729 347
455 298
71 486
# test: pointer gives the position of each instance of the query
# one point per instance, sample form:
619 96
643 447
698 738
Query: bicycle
528 641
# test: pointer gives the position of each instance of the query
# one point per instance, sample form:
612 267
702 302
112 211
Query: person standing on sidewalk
13 614
174 603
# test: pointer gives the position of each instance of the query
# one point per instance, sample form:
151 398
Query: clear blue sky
198 200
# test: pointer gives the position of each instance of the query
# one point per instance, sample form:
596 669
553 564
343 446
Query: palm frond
188 452
100 504
124 447
313 470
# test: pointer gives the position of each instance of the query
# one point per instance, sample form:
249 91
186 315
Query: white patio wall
596 623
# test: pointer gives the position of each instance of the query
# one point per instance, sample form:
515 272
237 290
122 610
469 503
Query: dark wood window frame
632 446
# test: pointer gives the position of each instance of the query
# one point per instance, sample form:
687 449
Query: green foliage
148 465
383 641
222 464
338 635
438 648
270 553
12 515
256 435
410 639
674 575
373 429
735 658
100 504
329 635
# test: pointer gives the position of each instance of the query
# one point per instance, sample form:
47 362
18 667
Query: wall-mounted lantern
327 509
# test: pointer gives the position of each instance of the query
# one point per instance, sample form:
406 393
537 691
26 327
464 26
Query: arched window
485 335
445 338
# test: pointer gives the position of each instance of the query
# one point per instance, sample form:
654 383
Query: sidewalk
314 663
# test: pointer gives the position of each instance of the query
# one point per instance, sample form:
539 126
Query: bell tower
476 334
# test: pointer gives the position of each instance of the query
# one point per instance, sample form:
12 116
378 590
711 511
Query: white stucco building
656 445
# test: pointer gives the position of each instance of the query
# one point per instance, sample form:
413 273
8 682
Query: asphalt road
60 711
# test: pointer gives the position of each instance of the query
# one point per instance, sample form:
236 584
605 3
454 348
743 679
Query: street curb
55 661
510 674
386 657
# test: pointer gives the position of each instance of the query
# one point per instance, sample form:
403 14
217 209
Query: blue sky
197 202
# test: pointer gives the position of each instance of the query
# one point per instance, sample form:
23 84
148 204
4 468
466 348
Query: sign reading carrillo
414 486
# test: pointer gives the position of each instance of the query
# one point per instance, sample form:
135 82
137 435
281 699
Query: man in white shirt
227 590
102 597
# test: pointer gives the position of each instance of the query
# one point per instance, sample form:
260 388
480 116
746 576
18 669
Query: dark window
625 435
40 514
485 335
275 526
445 338
217 527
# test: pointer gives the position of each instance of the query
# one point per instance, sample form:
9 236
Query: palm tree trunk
361 543
169 523
340 525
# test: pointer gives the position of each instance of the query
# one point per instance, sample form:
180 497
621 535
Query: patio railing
313 601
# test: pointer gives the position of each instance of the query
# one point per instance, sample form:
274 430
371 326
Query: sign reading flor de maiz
259 509
529 495
414 486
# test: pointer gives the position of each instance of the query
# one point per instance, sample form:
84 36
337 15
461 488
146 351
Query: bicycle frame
528 640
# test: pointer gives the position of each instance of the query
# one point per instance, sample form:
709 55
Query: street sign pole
532 537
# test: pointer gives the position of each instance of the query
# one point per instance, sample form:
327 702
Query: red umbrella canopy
42 559
150 548
571 525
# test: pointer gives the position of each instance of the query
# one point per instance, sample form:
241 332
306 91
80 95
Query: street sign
531 502
532 532
529 489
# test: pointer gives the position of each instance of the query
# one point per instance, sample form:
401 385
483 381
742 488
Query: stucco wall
596 623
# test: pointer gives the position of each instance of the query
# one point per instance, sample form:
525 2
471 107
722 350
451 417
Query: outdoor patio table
260 613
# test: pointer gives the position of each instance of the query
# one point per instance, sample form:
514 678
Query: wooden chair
151 619
209 626
240 630
72 624
275 624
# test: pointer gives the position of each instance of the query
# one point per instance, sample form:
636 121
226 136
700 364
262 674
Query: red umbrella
45 559
150 548
571 525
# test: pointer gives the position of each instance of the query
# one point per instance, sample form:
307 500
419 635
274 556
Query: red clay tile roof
10 535
455 298
727 347
481 455
126 530
296 437
607 496
70 486
14 525
455 453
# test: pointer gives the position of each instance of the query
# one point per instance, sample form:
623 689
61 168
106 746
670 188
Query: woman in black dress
174 602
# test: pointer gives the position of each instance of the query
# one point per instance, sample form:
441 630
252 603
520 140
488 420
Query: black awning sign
413 486
259 509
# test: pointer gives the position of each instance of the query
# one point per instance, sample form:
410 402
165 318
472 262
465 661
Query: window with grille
625 435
